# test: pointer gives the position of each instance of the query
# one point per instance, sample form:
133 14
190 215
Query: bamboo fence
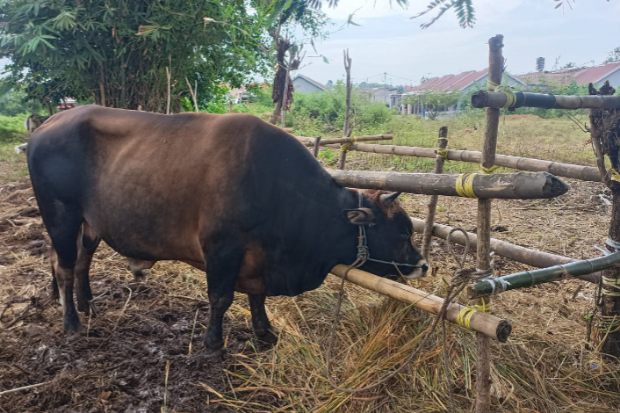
512 99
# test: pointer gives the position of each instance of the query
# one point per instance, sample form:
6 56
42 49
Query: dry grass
547 365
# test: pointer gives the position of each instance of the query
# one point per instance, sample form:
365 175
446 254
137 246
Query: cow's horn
387 199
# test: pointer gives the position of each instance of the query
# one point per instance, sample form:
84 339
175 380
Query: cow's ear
387 199
359 216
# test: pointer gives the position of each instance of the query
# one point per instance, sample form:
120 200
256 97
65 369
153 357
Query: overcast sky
389 41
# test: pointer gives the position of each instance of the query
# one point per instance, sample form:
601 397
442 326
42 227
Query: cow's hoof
268 338
215 353
73 329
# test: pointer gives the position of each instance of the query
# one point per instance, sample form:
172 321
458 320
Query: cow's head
389 235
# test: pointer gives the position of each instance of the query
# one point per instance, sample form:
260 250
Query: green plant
12 129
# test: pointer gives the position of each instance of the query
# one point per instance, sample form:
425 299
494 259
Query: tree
614 56
569 65
116 51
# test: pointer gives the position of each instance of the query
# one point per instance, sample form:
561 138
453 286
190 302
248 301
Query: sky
389 41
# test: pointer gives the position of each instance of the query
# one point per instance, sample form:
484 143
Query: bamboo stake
517 185
486 324
526 279
347 128
512 99
584 173
363 138
442 144
168 76
483 260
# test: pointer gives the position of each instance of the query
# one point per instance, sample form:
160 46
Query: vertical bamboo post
347 128
317 147
605 128
483 261
442 144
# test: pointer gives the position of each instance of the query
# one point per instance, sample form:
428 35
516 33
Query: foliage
327 110
13 103
216 102
464 10
12 128
614 56
117 51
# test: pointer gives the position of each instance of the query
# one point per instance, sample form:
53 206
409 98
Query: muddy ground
119 363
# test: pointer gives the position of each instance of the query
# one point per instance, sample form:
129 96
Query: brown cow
229 194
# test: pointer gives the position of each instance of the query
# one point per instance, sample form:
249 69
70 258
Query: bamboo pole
347 127
526 279
442 144
512 99
517 185
584 173
483 259
485 324
317 146
309 141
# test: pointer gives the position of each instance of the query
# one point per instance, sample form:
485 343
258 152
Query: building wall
482 84
303 86
614 80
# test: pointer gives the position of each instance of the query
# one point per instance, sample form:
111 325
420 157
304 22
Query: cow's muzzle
419 272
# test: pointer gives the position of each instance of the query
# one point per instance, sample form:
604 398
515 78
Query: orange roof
450 83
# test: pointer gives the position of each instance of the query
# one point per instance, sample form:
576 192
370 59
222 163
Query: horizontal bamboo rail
530 278
519 185
362 138
505 249
511 99
486 324
566 170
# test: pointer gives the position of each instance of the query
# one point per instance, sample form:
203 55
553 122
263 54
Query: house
462 83
304 84
596 75
386 95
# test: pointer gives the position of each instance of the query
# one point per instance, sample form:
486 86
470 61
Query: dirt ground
143 349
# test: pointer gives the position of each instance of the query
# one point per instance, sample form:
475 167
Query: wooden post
346 132
483 261
605 129
317 146
442 144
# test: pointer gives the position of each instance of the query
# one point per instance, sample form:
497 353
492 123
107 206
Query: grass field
120 365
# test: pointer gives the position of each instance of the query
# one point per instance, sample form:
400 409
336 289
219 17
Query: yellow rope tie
345 147
465 185
490 170
442 153
615 176
491 85
614 284
467 313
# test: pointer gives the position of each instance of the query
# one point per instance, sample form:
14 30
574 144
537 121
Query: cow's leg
222 269
63 225
53 261
260 321
87 244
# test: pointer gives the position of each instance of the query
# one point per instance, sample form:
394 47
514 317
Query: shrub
12 128
327 110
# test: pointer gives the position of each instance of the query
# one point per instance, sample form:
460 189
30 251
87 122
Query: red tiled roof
594 74
450 83
581 75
